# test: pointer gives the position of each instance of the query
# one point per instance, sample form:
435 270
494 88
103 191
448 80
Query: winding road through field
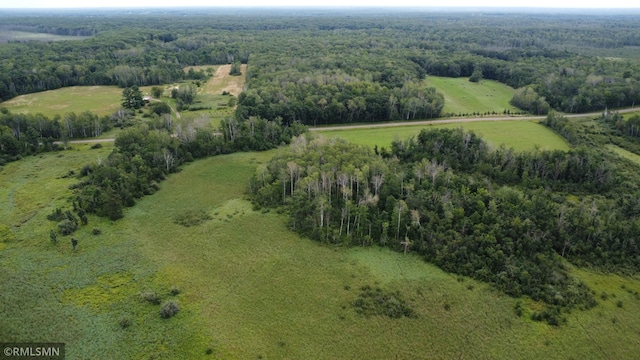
408 123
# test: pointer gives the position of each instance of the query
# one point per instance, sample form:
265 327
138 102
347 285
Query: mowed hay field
464 97
101 100
252 289
520 135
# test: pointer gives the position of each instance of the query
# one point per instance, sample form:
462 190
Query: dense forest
323 66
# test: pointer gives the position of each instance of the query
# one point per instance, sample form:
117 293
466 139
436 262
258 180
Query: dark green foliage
619 303
235 69
160 108
132 98
476 76
174 290
96 146
57 215
53 235
125 322
192 218
527 99
185 93
378 302
26 134
96 231
156 92
517 308
169 309
551 315
69 224
151 297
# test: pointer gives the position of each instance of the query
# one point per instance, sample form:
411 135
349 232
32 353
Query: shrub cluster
378 302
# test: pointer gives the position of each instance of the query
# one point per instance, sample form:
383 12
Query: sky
609 4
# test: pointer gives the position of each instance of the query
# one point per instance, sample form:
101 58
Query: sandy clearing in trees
222 81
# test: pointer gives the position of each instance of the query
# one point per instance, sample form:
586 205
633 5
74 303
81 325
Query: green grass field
464 97
631 114
624 153
6 36
101 100
520 135
252 289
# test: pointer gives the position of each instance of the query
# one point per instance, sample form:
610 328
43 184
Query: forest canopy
326 66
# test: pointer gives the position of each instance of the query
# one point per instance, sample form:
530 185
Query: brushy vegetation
169 309
375 301
192 218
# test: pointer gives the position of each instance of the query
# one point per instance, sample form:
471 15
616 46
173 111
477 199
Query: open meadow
464 97
12 35
520 135
250 288
101 100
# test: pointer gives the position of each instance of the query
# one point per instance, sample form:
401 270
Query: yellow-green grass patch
464 97
101 100
520 135
31 36
36 183
626 116
50 291
624 153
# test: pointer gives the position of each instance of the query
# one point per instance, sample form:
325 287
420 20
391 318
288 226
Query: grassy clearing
626 116
210 95
624 153
250 288
520 135
102 100
464 97
78 297
6 36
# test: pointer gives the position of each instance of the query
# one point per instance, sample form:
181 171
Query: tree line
27 134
